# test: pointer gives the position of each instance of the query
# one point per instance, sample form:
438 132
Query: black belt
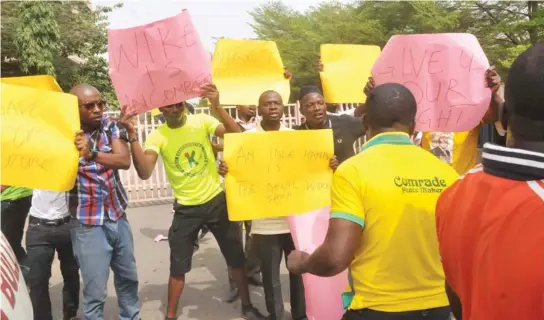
46 222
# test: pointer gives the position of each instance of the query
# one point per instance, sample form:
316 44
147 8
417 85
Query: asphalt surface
207 283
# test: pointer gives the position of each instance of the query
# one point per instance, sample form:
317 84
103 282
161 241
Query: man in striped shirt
491 222
102 237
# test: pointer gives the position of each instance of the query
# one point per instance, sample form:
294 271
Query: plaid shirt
98 194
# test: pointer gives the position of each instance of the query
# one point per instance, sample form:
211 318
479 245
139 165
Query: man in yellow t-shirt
382 222
183 142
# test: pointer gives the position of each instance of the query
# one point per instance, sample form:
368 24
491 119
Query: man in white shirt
271 236
48 231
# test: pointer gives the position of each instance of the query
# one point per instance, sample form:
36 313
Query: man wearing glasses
102 238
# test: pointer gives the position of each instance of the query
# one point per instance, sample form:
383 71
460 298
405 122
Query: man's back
490 229
397 267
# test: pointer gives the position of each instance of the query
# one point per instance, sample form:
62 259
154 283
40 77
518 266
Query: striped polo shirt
491 236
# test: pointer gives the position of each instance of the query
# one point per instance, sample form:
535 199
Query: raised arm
144 161
227 122
493 82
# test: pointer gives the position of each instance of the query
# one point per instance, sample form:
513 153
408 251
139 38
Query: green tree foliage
66 39
504 28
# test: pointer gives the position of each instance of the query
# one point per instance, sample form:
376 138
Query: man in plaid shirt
103 237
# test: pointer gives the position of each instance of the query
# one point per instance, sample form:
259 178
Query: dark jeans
14 213
253 265
443 313
270 249
41 243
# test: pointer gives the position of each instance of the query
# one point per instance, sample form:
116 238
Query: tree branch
495 20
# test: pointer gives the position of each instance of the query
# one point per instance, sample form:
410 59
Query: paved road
206 284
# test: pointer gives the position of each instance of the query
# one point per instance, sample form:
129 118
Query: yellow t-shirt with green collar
188 158
391 189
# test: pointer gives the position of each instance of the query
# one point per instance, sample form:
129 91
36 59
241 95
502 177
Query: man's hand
82 145
369 86
333 163
492 79
288 75
296 260
319 65
127 119
211 93
223 168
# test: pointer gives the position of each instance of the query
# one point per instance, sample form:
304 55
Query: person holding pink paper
184 145
271 237
382 219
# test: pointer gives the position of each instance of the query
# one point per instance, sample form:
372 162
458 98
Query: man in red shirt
491 222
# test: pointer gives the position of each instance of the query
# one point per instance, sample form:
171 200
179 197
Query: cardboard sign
15 301
446 74
275 174
158 64
38 130
346 68
323 294
244 69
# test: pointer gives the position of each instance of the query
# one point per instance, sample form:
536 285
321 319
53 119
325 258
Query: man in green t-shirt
183 143
16 202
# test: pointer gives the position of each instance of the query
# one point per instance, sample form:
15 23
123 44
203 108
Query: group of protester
479 258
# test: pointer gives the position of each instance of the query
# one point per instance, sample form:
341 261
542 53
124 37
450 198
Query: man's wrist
91 156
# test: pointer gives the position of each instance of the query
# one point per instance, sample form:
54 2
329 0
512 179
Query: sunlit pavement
206 286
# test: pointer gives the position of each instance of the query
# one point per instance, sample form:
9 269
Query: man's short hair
524 94
389 104
524 91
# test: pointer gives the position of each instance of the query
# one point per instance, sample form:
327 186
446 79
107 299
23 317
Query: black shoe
251 313
233 295
255 280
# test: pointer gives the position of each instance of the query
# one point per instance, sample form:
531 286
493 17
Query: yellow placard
275 174
38 128
346 68
244 69
155 112
37 82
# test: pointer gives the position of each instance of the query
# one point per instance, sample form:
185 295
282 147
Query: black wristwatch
131 140
94 154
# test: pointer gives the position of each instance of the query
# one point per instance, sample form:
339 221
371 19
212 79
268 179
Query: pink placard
446 74
323 295
158 64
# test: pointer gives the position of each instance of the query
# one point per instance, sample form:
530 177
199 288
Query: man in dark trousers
183 143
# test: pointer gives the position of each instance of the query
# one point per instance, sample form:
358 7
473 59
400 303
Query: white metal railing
156 189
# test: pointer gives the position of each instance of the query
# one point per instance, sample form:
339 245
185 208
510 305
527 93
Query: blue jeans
97 248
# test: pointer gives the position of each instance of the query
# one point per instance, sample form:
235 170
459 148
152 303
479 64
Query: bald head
390 106
83 89
91 105
269 93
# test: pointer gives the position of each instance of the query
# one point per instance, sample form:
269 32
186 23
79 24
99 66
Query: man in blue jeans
102 237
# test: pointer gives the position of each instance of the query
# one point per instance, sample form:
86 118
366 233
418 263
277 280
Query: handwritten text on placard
158 64
244 69
445 73
38 129
274 174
